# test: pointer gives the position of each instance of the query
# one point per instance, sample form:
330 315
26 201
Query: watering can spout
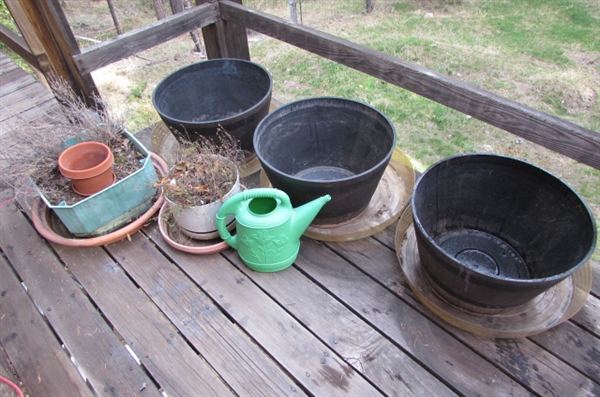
305 214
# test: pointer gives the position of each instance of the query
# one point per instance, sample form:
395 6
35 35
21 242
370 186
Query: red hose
11 384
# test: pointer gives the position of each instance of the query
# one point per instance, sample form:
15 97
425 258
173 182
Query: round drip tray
390 198
552 307
177 239
483 253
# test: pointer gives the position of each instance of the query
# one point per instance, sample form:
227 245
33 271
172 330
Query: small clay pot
89 166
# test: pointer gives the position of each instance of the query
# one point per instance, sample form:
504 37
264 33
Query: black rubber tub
232 93
495 232
326 145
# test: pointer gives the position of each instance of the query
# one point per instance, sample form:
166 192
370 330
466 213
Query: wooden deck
22 98
139 318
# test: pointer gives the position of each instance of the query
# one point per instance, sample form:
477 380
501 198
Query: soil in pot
56 188
195 188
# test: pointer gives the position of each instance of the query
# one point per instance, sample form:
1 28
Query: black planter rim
489 277
260 103
313 182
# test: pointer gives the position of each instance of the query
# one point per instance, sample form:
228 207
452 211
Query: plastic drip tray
324 173
483 253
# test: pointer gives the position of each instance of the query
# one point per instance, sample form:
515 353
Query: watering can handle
230 206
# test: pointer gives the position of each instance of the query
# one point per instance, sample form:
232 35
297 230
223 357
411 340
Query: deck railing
224 24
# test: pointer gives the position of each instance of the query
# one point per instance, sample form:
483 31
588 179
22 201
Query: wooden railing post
225 39
47 33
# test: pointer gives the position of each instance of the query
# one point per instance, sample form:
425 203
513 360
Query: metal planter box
114 206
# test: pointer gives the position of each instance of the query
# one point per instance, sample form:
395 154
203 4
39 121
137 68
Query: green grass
137 91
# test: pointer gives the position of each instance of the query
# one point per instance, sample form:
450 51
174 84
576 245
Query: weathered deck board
534 367
589 316
99 353
573 345
315 366
22 80
10 72
34 350
22 97
430 344
141 324
222 344
35 96
362 346
15 122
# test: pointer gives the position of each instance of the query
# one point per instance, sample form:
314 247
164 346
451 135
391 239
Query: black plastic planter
495 232
232 93
320 146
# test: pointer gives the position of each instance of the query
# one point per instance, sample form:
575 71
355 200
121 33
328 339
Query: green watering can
268 229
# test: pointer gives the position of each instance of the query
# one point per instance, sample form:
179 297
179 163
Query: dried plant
204 171
34 151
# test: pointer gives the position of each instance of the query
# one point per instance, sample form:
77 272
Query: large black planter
320 146
495 232
232 93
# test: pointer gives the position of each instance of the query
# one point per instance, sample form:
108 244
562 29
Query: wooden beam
82 83
225 39
18 45
51 41
25 17
544 129
151 35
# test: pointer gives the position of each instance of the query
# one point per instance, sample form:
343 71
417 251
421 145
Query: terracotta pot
89 166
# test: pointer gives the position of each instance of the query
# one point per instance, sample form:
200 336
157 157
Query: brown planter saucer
171 233
390 198
547 310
